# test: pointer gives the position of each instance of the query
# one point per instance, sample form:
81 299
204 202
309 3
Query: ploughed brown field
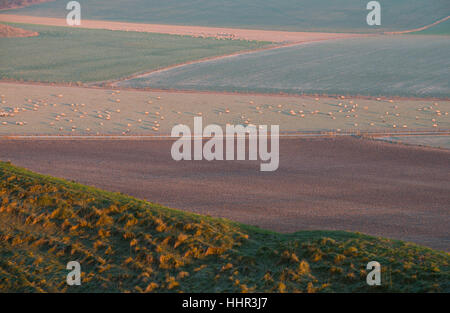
374 187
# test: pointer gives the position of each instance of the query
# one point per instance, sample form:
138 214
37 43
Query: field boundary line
226 93
181 30
113 83
329 134
418 29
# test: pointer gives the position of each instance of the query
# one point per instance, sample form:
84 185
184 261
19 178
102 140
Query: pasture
64 54
303 15
53 110
400 65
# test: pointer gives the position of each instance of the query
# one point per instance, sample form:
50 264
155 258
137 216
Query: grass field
304 15
65 54
124 244
409 66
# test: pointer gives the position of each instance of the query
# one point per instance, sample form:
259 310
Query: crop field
408 66
54 110
127 244
304 15
63 54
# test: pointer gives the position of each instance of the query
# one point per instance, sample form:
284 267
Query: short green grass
124 244
292 15
64 54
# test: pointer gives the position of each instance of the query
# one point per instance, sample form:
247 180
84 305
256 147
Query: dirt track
378 188
419 29
196 31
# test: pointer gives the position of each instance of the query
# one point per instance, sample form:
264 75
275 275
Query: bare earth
374 187
196 31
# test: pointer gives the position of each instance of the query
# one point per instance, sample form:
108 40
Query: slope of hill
313 15
124 244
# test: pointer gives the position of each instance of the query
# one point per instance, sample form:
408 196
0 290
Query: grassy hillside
324 15
406 65
67 54
124 244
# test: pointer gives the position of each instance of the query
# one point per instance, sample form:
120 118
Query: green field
307 15
410 66
125 244
63 54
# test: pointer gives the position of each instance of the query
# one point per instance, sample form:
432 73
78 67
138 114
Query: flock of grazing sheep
71 117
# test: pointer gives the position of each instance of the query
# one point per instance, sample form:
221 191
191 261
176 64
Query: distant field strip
300 15
52 110
63 54
403 65
195 31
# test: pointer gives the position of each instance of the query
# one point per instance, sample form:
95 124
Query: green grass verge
64 54
125 244
298 15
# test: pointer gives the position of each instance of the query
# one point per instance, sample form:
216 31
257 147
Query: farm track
113 83
420 28
280 39
285 45
195 31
